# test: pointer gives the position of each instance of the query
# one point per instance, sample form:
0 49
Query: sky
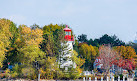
91 17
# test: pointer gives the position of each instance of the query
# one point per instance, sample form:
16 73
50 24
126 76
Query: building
97 63
65 60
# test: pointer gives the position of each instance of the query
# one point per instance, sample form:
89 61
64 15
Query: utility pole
37 67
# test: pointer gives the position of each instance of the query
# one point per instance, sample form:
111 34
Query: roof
67 29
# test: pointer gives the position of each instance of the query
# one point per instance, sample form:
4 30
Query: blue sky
91 17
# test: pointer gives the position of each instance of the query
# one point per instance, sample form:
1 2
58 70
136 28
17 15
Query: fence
109 79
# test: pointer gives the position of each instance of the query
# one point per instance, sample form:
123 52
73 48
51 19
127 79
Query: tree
79 61
135 59
31 53
34 26
107 56
12 52
51 44
51 28
31 40
106 39
29 56
88 53
47 45
25 49
50 69
24 36
96 43
127 52
30 36
5 36
15 33
53 37
82 38
58 37
75 46
112 40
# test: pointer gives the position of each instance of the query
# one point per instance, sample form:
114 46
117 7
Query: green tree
51 70
88 53
53 37
106 39
12 52
34 26
112 40
82 38
30 55
47 45
22 37
75 46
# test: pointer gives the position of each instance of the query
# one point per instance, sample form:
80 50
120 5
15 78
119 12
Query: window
66 33
69 33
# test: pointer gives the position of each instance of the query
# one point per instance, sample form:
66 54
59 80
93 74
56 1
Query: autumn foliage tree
127 54
6 35
22 46
107 56
89 53
30 36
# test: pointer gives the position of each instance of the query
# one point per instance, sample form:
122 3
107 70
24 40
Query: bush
1 75
7 73
29 72
14 74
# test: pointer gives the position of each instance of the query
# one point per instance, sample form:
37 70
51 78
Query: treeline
105 39
89 49
27 51
32 50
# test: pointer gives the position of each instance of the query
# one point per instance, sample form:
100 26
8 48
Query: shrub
29 72
14 74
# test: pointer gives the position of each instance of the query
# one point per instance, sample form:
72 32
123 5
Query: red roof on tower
67 29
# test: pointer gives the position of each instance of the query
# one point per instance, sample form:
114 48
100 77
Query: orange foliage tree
127 54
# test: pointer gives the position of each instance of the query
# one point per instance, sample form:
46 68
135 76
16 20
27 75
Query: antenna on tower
135 41
136 36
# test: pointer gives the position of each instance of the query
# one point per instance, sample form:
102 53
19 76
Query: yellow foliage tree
89 53
127 52
79 61
30 36
5 36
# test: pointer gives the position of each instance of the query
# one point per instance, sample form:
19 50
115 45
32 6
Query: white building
97 63
65 60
